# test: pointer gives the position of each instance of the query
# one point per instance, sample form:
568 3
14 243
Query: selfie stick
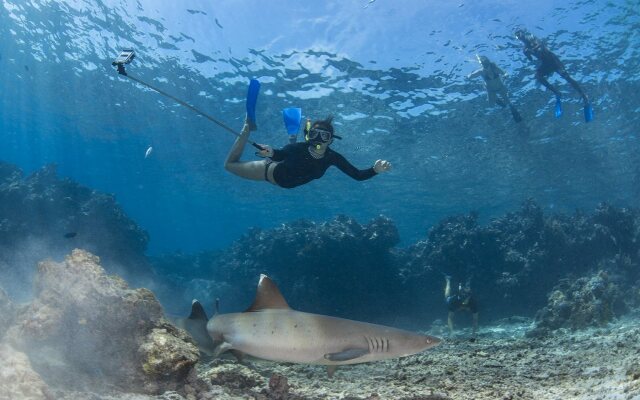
128 55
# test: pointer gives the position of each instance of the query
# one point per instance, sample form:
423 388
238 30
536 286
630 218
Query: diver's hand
267 151
381 166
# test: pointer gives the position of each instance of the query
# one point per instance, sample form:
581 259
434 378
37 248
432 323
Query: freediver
297 163
548 63
496 89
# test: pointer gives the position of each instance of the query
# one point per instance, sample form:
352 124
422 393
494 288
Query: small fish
148 152
70 235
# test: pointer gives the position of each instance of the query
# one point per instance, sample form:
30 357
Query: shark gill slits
369 343
387 345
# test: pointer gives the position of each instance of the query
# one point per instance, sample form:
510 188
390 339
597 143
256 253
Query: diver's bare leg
253 170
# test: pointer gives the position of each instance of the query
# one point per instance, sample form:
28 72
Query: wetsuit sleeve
281 154
346 167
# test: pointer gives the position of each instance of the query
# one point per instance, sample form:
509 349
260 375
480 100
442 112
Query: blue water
392 73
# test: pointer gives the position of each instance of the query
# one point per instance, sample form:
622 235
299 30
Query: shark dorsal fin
268 296
197 311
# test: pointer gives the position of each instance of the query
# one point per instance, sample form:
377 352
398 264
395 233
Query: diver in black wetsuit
462 301
297 163
548 64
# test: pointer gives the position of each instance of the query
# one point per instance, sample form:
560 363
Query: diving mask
316 133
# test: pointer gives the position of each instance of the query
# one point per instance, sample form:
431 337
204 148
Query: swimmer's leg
253 170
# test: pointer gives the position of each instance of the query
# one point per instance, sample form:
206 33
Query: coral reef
44 216
100 329
585 302
309 260
511 264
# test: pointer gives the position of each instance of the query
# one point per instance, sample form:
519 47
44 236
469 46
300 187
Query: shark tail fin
197 311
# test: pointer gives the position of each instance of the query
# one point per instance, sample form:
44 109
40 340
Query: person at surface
496 89
298 163
548 63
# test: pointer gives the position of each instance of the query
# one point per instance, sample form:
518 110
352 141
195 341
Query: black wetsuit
458 302
549 62
296 166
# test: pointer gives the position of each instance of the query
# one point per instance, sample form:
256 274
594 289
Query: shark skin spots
271 330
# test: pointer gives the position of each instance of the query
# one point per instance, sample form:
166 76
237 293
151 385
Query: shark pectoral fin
346 355
221 348
331 369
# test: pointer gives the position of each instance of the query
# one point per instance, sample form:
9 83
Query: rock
278 387
17 379
94 325
234 376
167 353
7 312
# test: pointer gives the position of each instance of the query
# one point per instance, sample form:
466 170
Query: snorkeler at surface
496 90
297 163
548 63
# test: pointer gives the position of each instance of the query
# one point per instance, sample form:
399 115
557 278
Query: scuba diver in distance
496 90
548 63
462 301
297 163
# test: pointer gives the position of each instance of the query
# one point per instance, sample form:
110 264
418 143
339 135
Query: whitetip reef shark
271 330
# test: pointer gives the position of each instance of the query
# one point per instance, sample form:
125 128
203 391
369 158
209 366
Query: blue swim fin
252 98
558 109
292 118
588 113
